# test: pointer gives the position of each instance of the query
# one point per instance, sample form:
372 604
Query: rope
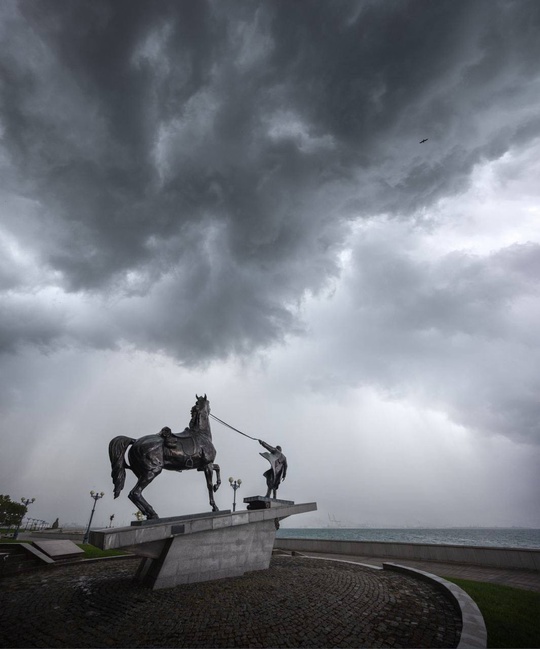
232 427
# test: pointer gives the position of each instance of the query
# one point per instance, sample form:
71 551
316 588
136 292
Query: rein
232 427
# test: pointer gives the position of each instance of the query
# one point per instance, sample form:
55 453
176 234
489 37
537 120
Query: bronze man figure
278 470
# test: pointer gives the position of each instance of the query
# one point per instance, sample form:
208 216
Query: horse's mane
194 417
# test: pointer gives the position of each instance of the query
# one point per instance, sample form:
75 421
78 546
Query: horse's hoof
216 487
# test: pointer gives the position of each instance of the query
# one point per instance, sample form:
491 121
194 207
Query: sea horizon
504 537
417 527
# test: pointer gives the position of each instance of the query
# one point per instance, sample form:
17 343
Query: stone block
218 523
201 525
240 518
255 516
59 550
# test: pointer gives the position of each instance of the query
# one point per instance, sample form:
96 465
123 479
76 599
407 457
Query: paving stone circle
298 602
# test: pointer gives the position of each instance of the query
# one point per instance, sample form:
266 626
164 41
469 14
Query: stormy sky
231 198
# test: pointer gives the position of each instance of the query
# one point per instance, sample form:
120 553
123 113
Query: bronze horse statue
149 455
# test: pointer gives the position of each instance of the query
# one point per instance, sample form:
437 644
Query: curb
473 631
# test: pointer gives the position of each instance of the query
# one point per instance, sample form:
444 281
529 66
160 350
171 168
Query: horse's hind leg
136 497
208 475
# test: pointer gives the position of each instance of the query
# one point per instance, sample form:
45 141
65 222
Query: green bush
11 512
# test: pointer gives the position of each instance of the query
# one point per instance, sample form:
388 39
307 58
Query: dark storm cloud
201 162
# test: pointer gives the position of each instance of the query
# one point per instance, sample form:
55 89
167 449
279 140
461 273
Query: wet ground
298 602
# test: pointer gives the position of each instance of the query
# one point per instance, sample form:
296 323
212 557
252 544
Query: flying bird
424 140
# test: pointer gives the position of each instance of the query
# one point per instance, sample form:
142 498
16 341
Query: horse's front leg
218 478
208 475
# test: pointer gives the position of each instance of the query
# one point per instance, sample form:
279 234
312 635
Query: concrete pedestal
263 502
202 547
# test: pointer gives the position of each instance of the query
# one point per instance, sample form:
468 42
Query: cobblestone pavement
298 602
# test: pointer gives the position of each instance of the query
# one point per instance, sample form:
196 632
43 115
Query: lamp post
235 484
96 497
25 502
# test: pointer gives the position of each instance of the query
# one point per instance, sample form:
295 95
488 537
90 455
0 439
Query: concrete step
20 557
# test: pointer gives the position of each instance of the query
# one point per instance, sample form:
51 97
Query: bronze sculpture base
264 502
202 547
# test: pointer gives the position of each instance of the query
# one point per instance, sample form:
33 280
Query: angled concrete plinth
202 547
59 549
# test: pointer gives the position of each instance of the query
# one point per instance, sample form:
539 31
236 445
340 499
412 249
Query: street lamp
96 497
235 484
25 502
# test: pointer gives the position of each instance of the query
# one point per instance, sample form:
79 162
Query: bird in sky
424 140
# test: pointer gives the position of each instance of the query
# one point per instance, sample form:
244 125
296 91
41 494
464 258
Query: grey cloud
23 323
458 294
10 274
180 177
136 127
459 333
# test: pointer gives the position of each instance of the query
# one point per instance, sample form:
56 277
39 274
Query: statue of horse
149 455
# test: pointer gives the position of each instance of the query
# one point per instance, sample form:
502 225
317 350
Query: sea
513 537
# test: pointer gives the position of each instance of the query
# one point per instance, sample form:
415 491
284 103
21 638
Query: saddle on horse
181 444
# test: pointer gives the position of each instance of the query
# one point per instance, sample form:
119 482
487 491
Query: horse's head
202 404
200 414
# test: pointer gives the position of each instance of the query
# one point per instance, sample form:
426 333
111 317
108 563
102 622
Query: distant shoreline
495 537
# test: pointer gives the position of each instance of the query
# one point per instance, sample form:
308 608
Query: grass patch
91 552
511 614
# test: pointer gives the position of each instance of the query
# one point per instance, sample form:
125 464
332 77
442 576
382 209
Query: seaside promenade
305 599
517 567
298 602
526 579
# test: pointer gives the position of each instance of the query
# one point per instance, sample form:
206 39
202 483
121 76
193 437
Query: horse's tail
117 449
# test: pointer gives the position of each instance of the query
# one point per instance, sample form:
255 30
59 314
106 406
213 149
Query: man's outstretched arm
267 446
